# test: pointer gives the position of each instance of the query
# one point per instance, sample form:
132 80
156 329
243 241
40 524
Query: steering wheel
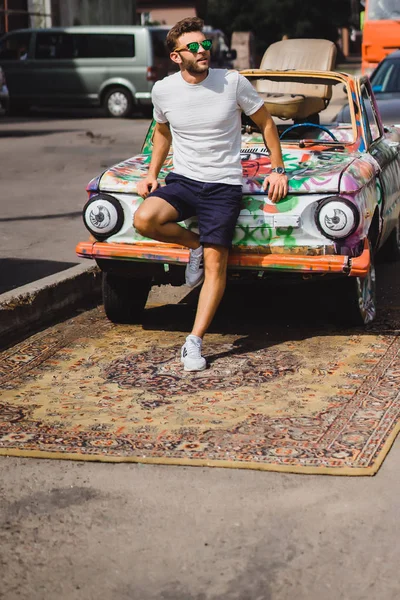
322 127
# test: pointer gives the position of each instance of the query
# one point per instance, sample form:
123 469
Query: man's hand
147 185
161 144
277 186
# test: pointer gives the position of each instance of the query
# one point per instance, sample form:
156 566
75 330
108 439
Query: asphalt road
46 162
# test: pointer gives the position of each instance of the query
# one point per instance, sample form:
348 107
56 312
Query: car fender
117 81
360 185
390 204
359 173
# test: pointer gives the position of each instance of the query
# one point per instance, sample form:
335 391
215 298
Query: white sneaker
194 274
191 357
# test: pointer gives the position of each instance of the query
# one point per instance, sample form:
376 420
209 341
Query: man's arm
277 184
161 144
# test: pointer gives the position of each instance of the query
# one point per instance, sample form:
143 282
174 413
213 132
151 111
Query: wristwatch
279 170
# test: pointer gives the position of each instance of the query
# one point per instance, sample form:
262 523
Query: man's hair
185 26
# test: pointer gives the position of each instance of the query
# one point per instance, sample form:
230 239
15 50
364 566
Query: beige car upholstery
297 100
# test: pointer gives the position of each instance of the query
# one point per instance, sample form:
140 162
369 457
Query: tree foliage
269 20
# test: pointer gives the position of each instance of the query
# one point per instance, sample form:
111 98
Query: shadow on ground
15 272
45 217
274 311
54 113
21 133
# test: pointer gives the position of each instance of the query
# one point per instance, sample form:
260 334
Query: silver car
385 82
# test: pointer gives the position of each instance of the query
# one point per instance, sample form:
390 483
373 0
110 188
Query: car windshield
381 10
298 106
14 46
387 77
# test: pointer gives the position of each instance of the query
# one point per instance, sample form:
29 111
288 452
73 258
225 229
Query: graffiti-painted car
342 207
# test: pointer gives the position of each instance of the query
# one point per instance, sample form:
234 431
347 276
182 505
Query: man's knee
144 221
150 216
140 221
215 260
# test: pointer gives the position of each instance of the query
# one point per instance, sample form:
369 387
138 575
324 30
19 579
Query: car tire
124 298
357 298
118 103
390 251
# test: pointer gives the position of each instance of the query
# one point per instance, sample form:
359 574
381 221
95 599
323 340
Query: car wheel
118 103
124 298
358 295
390 251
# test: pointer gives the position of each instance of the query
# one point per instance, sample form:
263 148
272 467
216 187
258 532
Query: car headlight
103 216
337 218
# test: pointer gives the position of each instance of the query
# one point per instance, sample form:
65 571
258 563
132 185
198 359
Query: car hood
308 171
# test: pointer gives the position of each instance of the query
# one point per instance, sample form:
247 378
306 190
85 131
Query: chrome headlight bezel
348 213
111 212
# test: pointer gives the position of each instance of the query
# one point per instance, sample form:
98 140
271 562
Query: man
198 109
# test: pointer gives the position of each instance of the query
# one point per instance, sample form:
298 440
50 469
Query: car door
387 155
56 77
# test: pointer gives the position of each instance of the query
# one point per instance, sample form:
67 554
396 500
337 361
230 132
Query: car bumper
172 254
143 98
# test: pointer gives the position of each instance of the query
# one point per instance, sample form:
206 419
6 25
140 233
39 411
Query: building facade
19 14
168 12
93 12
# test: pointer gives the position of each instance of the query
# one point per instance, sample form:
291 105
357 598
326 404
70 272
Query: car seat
297 101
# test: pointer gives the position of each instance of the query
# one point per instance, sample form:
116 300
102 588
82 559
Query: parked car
4 96
110 66
342 207
385 82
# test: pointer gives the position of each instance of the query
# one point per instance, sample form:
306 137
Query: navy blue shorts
216 205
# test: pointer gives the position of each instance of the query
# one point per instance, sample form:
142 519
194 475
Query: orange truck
381 32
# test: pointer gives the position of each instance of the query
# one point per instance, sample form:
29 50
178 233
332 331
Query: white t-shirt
205 122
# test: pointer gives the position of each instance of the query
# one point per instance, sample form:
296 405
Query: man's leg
156 218
215 260
215 265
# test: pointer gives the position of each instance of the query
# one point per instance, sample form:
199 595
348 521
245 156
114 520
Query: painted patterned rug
90 390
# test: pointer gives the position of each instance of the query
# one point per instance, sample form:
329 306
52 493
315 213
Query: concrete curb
31 307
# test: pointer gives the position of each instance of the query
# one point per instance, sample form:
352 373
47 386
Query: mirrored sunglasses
194 46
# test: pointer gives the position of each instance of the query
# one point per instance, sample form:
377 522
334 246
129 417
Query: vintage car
342 207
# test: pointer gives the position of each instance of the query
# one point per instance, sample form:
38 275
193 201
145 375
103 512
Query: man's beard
193 67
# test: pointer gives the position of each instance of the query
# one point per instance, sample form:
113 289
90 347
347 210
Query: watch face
280 170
